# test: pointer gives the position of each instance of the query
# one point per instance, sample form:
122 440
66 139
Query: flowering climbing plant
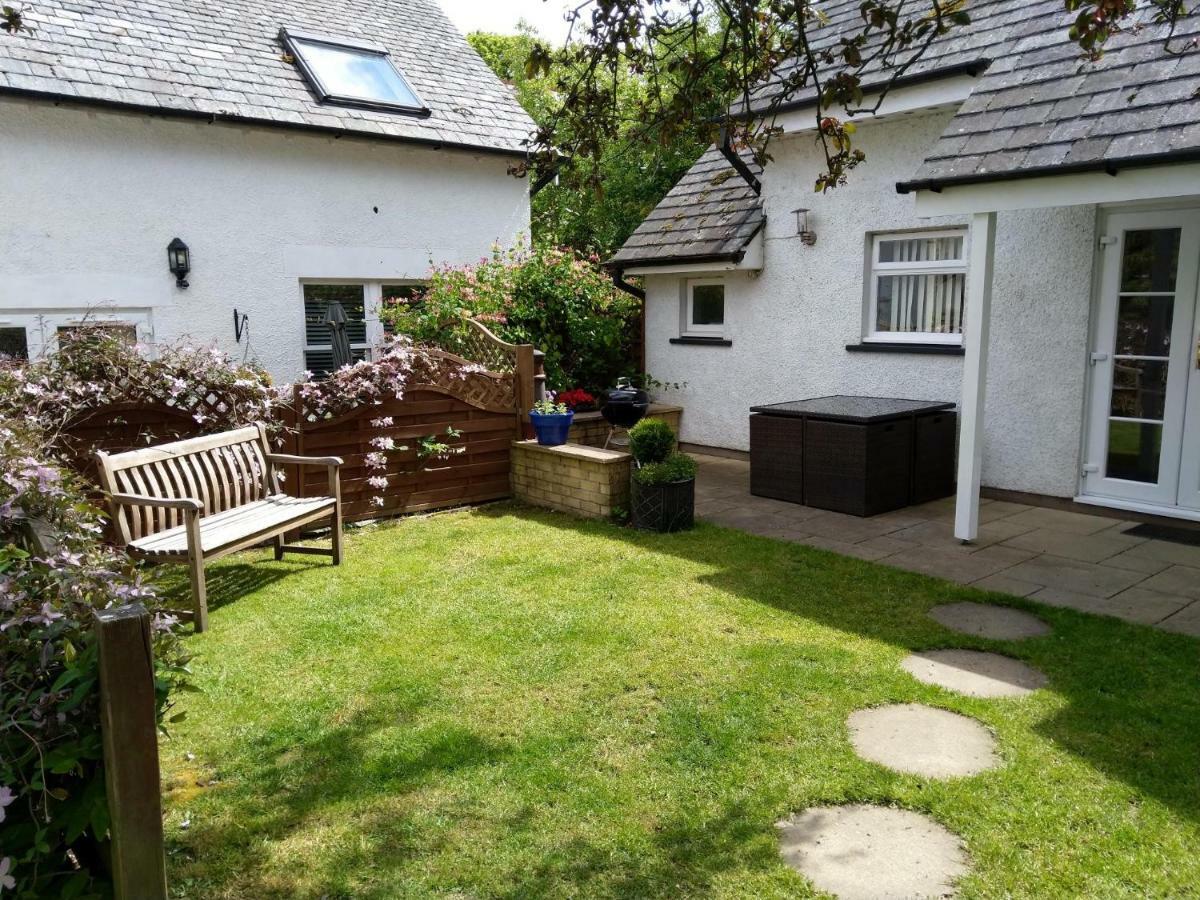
53 812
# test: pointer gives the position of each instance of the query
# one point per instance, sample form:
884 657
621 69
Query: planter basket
663 507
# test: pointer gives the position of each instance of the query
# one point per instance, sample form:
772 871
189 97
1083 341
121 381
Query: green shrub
562 303
651 441
676 467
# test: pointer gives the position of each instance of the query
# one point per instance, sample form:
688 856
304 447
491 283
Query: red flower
576 398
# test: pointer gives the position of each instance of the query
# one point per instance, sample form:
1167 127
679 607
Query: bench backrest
222 471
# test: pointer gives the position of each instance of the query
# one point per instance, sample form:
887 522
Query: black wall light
179 261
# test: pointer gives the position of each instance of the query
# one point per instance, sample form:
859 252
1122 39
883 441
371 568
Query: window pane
1144 326
357 74
14 344
320 362
1150 260
1133 451
928 304
121 330
1139 389
316 301
921 249
708 304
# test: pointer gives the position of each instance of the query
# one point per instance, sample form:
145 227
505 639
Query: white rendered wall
790 325
90 199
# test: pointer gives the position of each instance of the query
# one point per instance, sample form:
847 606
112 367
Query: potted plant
663 493
551 421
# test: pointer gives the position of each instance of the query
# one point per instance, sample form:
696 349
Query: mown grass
512 703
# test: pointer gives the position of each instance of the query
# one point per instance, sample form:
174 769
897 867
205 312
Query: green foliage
676 467
651 441
559 301
634 171
52 796
550 407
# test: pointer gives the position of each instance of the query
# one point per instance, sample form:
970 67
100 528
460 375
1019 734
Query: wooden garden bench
206 497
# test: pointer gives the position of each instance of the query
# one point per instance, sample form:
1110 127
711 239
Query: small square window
704 314
14 344
353 73
916 287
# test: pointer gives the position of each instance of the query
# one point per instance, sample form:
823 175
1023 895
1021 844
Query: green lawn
511 703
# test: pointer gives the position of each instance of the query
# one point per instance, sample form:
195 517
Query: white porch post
977 321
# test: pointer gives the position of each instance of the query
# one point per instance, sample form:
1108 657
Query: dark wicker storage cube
777 457
862 470
933 456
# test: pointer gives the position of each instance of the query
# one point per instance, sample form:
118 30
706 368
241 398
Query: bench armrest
286 459
185 503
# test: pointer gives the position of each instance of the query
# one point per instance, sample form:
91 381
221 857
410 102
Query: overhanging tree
753 57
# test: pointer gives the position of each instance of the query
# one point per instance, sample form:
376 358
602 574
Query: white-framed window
31 335
916 286
361 301
704 308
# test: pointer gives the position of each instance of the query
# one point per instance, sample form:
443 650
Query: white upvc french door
1143 445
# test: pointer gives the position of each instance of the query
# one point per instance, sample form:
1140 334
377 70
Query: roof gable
225 60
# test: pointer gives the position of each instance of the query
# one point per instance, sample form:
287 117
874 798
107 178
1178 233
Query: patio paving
1057 557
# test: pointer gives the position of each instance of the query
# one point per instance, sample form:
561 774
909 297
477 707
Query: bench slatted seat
203 498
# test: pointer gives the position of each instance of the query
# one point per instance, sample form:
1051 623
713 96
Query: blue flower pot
551 430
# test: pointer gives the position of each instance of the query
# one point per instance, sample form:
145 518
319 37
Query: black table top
861 410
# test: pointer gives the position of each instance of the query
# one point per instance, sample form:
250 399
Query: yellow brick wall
582 480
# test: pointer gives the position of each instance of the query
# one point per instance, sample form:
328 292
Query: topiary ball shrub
651 441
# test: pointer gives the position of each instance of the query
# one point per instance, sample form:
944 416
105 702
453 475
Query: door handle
1101 357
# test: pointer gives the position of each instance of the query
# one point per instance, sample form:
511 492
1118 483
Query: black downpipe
738 164
618 277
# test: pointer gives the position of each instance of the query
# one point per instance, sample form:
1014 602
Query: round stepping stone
996 622
921 740
861 852
974 673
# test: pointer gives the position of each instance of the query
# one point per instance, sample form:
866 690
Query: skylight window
353 73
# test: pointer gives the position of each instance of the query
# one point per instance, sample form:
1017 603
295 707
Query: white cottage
1023 239
299 151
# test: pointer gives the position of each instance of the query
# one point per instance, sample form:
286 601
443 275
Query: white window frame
876 269
41 326
689 329
372 304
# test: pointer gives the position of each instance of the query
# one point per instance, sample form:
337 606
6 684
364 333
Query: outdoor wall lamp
179 261
807 235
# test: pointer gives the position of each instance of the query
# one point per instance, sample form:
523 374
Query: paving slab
922 740
995 622
1082 547
1077 577
1133 605
940 533
1183 581
1168 552
862 852
858 551
953 564
1135 562
974 673
1185 621
1060 520
1002 584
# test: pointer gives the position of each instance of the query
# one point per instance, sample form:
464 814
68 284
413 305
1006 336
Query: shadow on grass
225 583
291 791
1132 692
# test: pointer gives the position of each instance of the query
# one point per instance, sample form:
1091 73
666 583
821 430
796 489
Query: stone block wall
574 478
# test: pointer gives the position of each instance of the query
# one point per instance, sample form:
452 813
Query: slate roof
710 215
1042 109
225 60
1039 108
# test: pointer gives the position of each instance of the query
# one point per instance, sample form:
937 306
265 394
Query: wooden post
976 325
524 387
131 752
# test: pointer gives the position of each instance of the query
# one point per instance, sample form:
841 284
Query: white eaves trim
752 261
1162 182
930 95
